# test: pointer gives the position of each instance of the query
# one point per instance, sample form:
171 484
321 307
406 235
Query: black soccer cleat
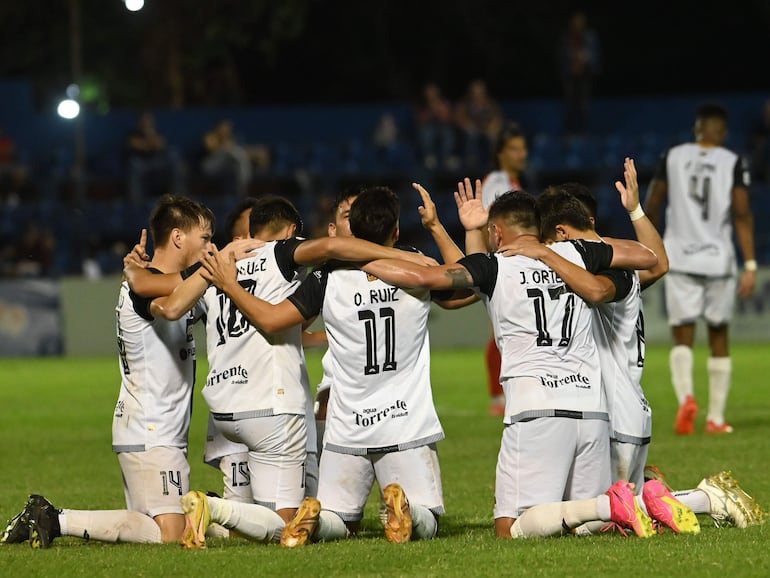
43 522
17 530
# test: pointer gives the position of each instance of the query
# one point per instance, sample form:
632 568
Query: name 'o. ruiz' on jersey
698 234
379 349
254 374
157 367
544 330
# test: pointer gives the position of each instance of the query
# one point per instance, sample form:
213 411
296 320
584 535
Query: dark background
181 53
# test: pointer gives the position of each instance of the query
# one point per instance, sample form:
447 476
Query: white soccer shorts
689 297
345 481
277 451
155 480
551 459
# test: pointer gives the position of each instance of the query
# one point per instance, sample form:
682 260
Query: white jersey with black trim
619 332
698 234
254 374
157 367
495 184
379 350
543 331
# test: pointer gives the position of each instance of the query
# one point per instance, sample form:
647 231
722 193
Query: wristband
636 214
750 265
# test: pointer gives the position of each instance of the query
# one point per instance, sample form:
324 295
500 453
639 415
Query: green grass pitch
55 417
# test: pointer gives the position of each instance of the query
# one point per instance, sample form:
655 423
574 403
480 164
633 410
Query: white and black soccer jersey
157 366
543 330
380 359
698 235
495 184
619 333
254 374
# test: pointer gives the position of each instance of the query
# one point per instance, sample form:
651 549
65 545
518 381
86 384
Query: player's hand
470 209
138 257
217 269
526 245
242 248
428 208
629 193
746 284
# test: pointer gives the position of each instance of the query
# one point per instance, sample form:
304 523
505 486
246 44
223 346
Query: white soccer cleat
729 504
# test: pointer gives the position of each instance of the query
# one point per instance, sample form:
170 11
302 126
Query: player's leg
533 466
412 491
720 299
628 461
721 497
685 299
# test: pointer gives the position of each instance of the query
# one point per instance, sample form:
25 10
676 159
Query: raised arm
645 231
269 317
473 216
449 250
743 219
183 298
629 254
409 275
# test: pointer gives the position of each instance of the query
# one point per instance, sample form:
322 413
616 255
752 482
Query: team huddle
566 312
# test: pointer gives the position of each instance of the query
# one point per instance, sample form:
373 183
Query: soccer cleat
729 504
43 522
302 526
197 518
713 428
653 473
17 529
398 528
666 509
685 417
626 513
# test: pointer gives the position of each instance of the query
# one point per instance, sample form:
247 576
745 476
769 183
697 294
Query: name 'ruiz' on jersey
157 366
698 234
543 329
381 399
253 373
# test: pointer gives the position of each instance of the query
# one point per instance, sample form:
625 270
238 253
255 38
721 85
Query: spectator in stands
479 118
226 161
759 145
34 253
150 160
13 174
578 66
386 138
435 129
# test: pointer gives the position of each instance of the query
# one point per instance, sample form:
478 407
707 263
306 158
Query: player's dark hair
516 208
509 131
711 110
344 195
235 214
374 215
271 213
177 212
583 194
560 207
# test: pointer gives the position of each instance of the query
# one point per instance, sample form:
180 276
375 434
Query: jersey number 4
388 315
541 322
700 189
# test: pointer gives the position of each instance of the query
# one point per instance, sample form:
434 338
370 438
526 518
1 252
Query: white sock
311 475
719 369
330 527
696 500
252 521
680 362
555 518
217 531
110 526
424 523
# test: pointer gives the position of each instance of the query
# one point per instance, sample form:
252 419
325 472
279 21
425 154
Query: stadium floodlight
134 5
68 108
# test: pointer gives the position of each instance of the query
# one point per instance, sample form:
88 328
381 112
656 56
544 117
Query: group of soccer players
565 307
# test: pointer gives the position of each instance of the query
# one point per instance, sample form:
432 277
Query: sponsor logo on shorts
228 374
554 381
371 416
